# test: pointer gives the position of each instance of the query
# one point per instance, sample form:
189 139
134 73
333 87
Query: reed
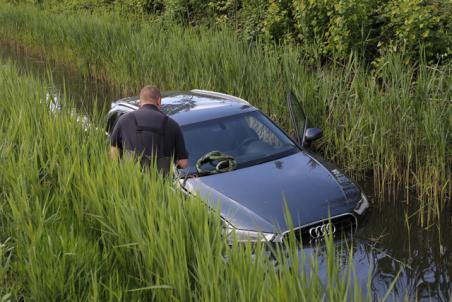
75 225
392 123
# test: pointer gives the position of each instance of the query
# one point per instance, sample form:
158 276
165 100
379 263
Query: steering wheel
246 142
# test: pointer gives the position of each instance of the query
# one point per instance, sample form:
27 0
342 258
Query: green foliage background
330 29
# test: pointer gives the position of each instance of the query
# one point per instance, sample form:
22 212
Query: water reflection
375 263
178 105
423 256
86 92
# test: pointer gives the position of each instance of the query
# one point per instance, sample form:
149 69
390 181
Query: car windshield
250 138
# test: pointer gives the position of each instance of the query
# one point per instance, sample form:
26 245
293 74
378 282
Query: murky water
86 92
389 244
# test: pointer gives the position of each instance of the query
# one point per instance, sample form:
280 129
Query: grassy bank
392 123
335 27
73 228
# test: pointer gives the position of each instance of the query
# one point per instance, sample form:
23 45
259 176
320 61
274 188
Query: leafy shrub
409 25
142 6
225 11
278 22
252 16
311 21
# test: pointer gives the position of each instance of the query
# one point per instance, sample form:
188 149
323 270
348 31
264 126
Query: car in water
258 176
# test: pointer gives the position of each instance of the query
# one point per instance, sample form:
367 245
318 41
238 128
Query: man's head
150 95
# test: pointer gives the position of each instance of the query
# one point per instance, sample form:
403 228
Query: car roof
188 107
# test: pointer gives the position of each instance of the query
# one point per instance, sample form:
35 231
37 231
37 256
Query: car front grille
336 226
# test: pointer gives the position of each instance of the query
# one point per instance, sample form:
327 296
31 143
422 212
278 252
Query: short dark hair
150 92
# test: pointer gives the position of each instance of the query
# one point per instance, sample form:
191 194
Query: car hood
260 197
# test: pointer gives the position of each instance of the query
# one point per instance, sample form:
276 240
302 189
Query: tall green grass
75 225
392 123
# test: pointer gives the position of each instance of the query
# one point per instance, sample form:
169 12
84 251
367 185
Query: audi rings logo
322 230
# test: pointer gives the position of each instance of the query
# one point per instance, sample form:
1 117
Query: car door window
298 118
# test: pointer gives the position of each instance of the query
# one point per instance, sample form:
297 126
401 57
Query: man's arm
181 154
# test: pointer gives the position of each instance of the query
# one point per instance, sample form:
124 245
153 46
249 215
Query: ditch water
389 244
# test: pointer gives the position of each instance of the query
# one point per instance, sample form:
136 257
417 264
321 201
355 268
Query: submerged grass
392 123
75 225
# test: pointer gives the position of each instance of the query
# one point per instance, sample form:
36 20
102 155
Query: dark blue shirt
148 131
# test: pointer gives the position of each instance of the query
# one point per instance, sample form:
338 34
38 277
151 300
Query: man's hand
114 152
182 163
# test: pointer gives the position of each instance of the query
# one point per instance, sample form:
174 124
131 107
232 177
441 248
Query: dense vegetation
326 29
72 228
392 123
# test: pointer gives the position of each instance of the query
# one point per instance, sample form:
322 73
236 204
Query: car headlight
244 235
362 205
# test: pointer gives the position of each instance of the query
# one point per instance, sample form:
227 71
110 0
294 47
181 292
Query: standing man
148 132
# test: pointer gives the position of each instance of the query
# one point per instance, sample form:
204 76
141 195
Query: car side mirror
313 134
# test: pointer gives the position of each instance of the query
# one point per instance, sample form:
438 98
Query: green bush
141 6
225 11
311 21
252 16
413 26
277 24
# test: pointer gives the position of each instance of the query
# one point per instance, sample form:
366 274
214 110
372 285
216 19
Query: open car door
297 118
